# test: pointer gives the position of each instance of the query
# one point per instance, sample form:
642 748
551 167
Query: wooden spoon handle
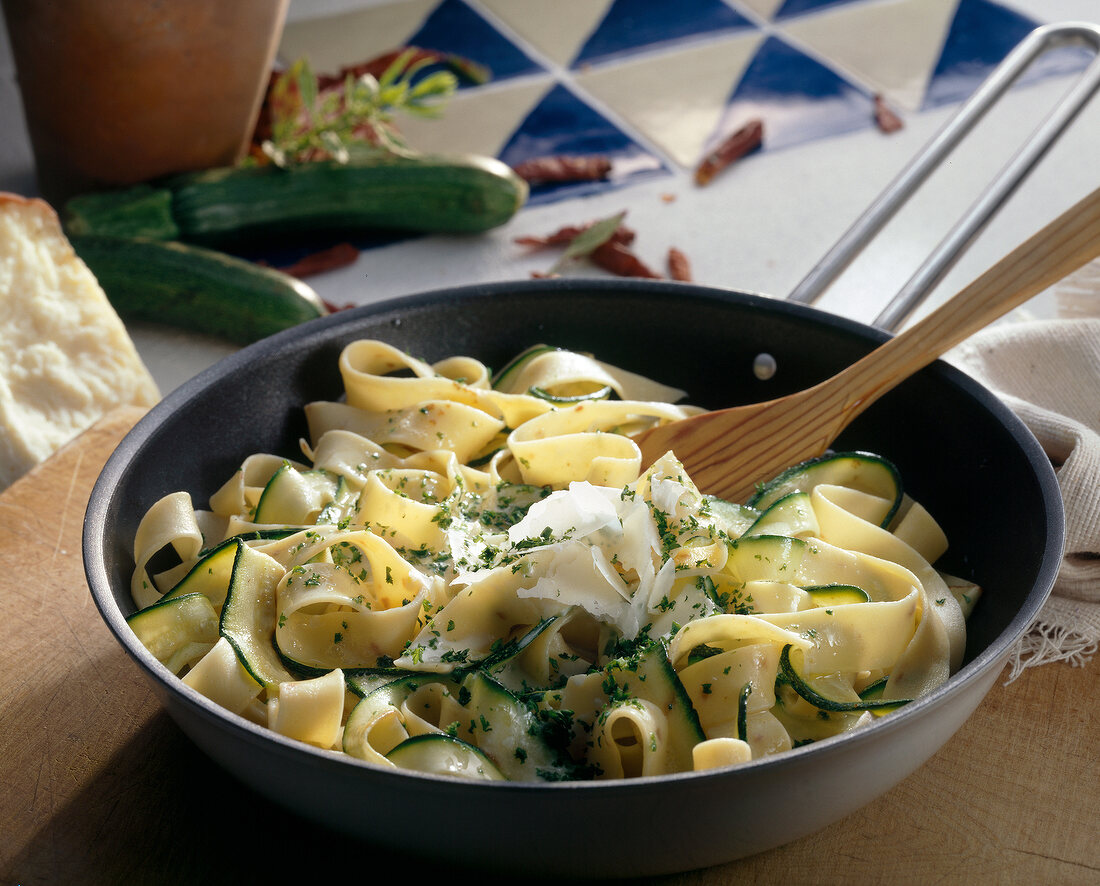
1066 244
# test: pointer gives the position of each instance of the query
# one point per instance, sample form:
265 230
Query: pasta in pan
473 575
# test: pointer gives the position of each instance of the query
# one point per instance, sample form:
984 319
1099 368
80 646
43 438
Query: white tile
498 112
675 98
557 29
764 8
891 47
348 38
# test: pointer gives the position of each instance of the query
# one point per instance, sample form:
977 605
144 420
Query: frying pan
959 450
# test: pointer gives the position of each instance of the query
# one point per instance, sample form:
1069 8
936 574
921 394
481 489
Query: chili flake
746 139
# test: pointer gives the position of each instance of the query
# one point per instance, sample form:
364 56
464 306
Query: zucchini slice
344 498
249 615
795 680
730 517
437 753
177 631
766 558
211 575
513 366
363 681
493 720
791 515
743 712
542 394
649 675
837 595
507 731
387 697
875 690
861 470
296 497
501 653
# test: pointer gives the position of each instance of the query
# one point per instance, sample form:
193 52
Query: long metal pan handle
1038 42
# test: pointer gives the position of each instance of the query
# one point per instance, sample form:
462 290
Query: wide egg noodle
854 636
358 605
296 548
719 752
715 683
220 676
367 369
241 493
567 646
448 424
586 442
562 373
389 505
487 611
344 452
170 522
428 707
941 636
630 741
919 529
309 710
729 631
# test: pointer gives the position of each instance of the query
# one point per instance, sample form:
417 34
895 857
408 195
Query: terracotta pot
122 91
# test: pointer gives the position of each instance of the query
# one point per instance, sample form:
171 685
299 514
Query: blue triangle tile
797 98
455 27
982 33
632 25
798 7
564 124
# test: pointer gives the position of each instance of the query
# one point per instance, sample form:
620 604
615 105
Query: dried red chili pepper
747 138
563 168
678 266
618 259
604 242
569 233
886 119
337 256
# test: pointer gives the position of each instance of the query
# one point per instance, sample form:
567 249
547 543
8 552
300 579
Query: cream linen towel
1048 373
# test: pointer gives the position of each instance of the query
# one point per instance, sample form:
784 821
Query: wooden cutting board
98 785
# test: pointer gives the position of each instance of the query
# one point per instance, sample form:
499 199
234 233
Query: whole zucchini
227 206
139 211
195 288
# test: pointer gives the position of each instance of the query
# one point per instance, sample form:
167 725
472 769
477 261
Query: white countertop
759 232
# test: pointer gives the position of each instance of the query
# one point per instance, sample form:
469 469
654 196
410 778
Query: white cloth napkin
1048 373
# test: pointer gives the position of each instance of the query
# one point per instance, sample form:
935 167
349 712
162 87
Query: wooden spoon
727 452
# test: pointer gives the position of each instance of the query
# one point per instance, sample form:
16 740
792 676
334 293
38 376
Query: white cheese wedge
65 356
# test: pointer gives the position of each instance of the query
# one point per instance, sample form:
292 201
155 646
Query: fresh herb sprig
353 118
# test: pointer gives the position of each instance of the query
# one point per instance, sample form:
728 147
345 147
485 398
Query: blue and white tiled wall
654 84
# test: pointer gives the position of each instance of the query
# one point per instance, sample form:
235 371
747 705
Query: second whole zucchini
226 206
191 287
